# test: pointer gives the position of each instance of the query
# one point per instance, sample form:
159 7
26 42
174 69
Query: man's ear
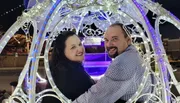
129 40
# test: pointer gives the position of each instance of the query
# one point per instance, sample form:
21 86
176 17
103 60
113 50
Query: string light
11 10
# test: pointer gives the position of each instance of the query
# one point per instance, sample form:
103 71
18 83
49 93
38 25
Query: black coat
71 79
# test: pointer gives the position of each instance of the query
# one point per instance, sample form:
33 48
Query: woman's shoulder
58 70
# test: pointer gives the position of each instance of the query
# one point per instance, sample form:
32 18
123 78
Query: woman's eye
73 47
80 44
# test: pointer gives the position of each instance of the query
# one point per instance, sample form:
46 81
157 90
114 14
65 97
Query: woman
66 67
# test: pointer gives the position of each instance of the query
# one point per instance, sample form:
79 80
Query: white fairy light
141 33
46 61
131 20
11 10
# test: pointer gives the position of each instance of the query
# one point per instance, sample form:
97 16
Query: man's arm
111 87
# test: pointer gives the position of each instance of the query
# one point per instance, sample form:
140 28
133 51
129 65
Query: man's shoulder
128 55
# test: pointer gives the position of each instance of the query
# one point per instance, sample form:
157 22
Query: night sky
11 9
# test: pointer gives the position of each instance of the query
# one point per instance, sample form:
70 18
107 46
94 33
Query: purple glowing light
174 17
157 47
96 64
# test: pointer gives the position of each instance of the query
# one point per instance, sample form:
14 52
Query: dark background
8 17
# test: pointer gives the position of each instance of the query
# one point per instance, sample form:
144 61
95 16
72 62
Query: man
124 74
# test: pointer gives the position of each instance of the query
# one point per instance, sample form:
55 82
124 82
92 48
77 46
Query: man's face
115 42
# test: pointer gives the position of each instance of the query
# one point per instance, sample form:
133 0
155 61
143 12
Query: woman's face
74 50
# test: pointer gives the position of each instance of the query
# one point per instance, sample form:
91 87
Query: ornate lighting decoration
53 16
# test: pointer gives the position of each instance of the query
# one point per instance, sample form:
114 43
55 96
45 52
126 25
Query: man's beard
113 55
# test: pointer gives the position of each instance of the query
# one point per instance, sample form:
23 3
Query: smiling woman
66 67
74 49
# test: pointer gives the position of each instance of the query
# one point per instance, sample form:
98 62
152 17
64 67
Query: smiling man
123 76
116 40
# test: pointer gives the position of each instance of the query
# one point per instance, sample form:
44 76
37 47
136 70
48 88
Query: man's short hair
123 27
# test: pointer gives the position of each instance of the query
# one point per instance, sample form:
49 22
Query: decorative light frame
152 41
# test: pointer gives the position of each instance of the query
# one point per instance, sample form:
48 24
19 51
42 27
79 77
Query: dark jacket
71 79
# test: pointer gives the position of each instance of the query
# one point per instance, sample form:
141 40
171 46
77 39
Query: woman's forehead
72 39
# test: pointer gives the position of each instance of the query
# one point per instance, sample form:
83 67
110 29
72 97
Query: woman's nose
80 48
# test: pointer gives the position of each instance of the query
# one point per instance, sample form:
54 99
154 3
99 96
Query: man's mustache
108 48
